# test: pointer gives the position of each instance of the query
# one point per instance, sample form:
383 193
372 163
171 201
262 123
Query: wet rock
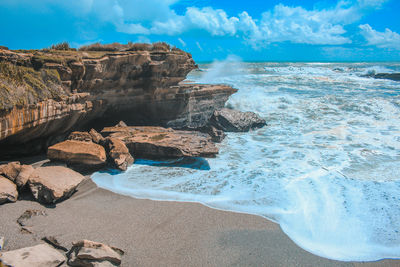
10 170
159 142
54 183
77 152
90 253
8 190
216 135
80 136
118 153
37 256
388 76
96 137
23 176
230 120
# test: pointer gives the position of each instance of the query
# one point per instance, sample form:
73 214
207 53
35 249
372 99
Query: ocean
326 168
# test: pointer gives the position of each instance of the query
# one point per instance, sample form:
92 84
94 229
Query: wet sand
159 233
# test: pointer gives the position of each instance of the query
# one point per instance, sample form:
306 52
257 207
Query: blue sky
254 30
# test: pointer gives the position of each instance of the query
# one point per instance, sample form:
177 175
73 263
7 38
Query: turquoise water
326 168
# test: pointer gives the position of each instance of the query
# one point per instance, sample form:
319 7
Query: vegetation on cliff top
21 86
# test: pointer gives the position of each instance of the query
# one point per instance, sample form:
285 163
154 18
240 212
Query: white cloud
386 39
323 26
199 46
182 42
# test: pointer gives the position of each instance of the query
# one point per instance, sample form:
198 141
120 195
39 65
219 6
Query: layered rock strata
159 142
45 95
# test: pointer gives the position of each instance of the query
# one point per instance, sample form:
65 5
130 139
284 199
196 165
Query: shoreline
153 232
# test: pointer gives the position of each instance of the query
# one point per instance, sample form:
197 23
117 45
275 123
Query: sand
159 233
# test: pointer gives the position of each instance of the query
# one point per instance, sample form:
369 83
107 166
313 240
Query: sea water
326 167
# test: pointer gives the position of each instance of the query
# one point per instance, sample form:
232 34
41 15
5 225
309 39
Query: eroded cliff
46 94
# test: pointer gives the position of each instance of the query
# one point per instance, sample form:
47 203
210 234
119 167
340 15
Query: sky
253 30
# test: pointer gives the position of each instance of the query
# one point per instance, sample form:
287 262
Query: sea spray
326 167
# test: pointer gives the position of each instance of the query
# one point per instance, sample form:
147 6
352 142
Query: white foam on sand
326 167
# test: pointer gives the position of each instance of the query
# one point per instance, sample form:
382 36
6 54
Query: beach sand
159 233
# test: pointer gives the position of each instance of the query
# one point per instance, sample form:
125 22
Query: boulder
121 124
37 256
159 142
96 137
23 176
118 153
230 120
54 183
80 136
78 152
10 170
90 253
8 190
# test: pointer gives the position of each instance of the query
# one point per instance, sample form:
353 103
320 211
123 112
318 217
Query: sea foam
326 168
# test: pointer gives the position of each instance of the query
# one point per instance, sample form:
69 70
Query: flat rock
10 170
159 142
8 190
119 153
37 256
77 152
388 76
230 120
90 253
53 183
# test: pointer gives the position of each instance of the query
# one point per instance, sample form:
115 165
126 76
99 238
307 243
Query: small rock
53 183
10 170
119 153
121 124
80 136
23 176
90 253
37 256
78 152
29 214
8 190
230 120
51 240
96 137
216 135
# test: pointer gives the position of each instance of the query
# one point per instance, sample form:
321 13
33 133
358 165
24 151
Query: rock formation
229 120
53 183
159 142
78 153
388 76
118 153
46 94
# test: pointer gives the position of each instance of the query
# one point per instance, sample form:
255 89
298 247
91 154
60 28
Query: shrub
62 46
161 46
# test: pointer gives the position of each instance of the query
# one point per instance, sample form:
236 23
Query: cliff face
44 95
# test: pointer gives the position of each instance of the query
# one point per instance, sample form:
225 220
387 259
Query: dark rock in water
80 136
37 256
78 152
230 120
388 76
54 183
8 191
159 142
216 135
90 253
118 153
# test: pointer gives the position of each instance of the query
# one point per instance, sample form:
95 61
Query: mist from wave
326 168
